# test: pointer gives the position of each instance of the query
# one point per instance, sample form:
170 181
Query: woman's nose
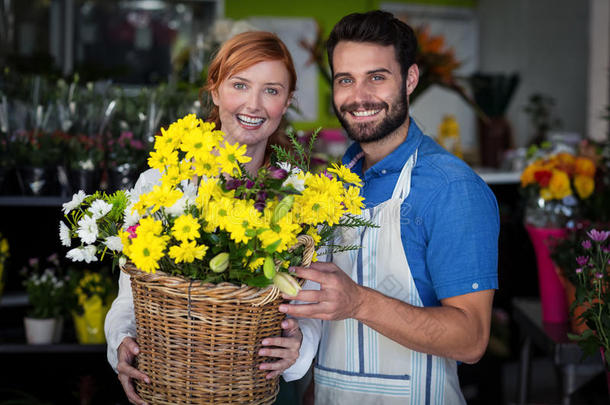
253 103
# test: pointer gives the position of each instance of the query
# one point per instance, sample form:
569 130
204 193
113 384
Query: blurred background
85 85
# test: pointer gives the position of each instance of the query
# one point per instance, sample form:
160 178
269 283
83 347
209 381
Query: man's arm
459 329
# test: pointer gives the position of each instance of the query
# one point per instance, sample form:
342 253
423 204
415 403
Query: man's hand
285 348
339 296
127 352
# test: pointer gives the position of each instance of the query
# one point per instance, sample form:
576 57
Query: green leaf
273 247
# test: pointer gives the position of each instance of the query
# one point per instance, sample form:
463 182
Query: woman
251 81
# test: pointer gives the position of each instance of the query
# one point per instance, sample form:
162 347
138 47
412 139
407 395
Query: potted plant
48 296
211 245
85 154
92 294
4 255
593 293
126 157
36 155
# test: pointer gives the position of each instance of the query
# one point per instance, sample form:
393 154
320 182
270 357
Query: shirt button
384 171
475 286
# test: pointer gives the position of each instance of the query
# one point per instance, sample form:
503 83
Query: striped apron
357 365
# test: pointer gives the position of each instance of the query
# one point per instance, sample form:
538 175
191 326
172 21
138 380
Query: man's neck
376 151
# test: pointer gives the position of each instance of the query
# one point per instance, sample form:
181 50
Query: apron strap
403 185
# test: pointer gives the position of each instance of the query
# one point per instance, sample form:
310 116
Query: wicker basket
199 343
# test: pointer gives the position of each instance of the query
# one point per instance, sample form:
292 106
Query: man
417 297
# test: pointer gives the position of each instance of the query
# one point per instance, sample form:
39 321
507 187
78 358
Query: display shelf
23 348
32 201
14 299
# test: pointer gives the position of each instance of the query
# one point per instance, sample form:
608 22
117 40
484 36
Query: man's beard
367 132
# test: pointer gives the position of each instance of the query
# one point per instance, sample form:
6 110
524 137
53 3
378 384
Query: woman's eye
271 91
239 86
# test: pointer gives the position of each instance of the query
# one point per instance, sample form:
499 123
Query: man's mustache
346 108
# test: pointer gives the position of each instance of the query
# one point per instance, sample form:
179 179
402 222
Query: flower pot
552 294
89 325
40 331
122 177
33 180
86 180
59 329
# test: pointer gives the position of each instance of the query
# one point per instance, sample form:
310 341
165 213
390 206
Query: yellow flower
146 251
345 174
126 241
546 194
560 185
206 165
187 252
197 144
185 228
527 177
3 246
285 231
243 221
218 213
313 232
584 166
160 159
584 186
256 263
164 195
353 201
230 155
149 226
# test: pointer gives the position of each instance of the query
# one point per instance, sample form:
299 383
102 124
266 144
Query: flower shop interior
517 89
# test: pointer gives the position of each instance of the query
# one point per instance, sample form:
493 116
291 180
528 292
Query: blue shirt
449 220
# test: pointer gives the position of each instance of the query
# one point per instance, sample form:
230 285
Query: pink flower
582 260
599 276
578 270
598 236
586 244
132 231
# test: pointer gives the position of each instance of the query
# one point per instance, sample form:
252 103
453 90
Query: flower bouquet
208 246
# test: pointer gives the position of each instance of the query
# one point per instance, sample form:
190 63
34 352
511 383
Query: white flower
131 216
77 199
288 168
188 198
296 182
64 234
86 164
87 229
114 243
122 261
99 208
86 254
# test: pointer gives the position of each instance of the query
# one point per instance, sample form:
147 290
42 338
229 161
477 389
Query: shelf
71 348
32 201
15 299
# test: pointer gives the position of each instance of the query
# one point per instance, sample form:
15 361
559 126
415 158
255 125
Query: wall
547 42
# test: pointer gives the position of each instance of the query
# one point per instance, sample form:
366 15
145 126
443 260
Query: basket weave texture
199 343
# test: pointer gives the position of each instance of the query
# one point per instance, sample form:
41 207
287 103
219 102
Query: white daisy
77 199
294 181
87 229
288 168
99 208
89 254
64 234
131 216
76 255
114 243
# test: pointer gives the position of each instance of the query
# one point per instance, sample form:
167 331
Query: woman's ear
288 103
214 94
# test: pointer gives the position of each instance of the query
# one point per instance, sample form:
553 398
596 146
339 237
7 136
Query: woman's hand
286 348
127 352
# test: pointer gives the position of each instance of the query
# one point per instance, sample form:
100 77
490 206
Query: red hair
243 51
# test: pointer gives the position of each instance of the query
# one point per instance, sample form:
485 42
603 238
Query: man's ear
214 94
412 78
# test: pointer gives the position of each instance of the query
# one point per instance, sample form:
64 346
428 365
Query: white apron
357 365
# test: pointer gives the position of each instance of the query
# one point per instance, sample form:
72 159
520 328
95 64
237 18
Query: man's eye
377 77
271 91
345 80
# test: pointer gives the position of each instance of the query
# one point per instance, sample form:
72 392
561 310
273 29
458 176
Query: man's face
369 92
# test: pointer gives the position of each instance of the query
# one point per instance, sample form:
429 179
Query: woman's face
251 102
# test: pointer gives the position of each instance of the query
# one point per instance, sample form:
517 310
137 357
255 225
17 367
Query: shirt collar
395 161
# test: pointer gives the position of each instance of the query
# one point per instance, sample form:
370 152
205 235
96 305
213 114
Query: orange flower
560 184
527 177
565 162
584 166
584 185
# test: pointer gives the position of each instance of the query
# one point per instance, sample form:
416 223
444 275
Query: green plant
90 285
48 290
593 292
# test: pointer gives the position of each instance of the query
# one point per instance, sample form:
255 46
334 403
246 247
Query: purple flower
277 173
261 196
232 184
586 244
327 174
578 270
260 206
582 260
599 276
606 249
598 236
249 184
